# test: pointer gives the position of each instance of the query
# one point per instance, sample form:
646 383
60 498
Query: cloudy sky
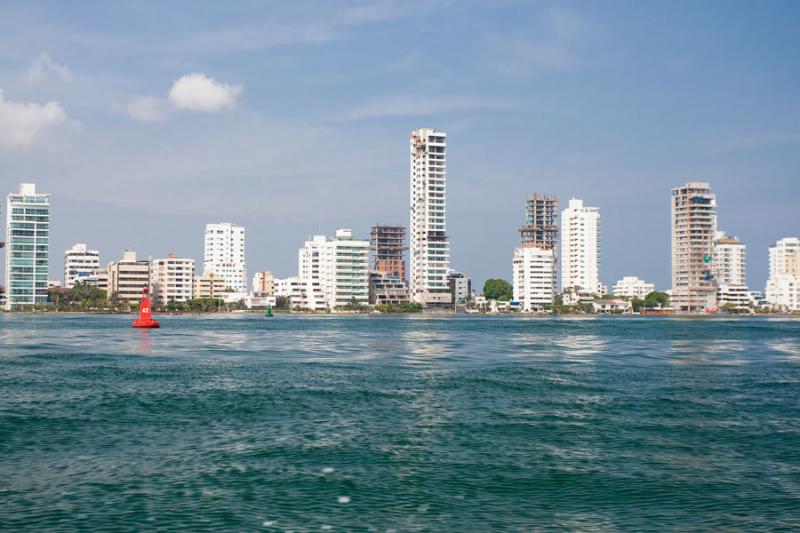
145 120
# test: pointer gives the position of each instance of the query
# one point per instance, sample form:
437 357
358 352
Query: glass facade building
27 247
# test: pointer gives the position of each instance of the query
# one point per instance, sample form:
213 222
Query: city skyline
248 117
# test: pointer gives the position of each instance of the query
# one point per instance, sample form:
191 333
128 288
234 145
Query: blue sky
147 120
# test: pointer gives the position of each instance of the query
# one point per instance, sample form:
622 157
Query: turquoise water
399 423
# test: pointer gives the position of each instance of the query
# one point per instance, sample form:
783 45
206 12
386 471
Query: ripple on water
398 423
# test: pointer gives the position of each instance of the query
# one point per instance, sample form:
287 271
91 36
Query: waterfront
403 422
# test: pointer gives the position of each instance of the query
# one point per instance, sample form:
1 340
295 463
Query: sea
399 423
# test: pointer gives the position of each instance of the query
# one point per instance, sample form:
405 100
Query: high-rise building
388 244
694 226
128 277
79 263
783 285
264 283
793 264
533 287
430 246
225 254
172 279
729 270
387 280
533 277
580 247
633 287
335 271
28 242
541 222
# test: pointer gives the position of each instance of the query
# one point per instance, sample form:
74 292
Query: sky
147 120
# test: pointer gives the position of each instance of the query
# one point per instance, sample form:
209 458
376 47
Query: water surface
399 423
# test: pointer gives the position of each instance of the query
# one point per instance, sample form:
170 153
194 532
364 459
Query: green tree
656 299
637 304
282 303
498 289
354 305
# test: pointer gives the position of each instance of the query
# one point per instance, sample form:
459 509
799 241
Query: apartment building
79 263
128 276
694 227
430 245
172 279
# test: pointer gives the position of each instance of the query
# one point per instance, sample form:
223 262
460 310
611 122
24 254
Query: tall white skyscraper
225 254
79 263
28 247
334 271
783 285
580 247
694 227
430 247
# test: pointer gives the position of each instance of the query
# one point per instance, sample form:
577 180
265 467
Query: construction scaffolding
541 222
388 247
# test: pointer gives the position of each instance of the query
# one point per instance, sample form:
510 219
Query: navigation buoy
145 320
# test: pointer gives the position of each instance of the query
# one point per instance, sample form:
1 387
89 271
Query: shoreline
345 314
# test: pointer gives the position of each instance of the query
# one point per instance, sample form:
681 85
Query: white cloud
43 68
144 109
22 123
198 92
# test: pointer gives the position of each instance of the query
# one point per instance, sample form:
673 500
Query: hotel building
334 271
430 246
694 227
28 247
534 264
580 247
224 254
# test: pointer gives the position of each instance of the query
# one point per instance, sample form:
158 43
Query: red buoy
145 320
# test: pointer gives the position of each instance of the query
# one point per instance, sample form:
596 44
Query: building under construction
388 246
541 222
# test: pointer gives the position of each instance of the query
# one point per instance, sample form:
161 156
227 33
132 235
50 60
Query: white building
79 264
729 268
633 287
729 261
264 283
172 279
580 247
533 277
334 272
225 255
28 248
291 288
430 247
694 227
783 284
